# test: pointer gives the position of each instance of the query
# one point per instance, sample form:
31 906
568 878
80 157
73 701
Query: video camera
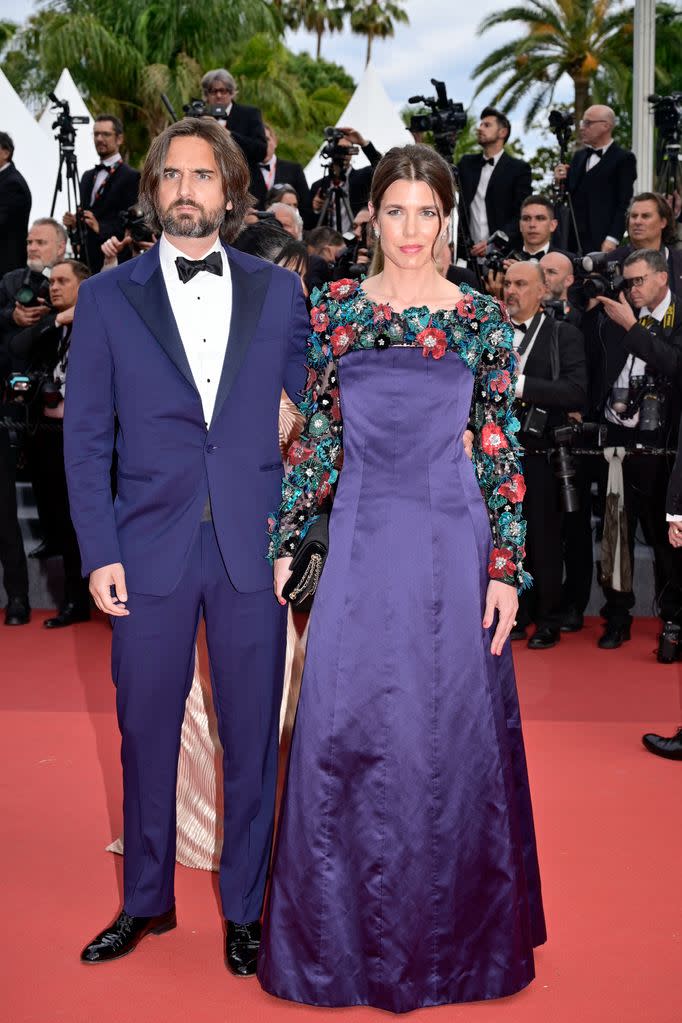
596 275
561 125
198 108
133 221
446 118
64 125
332 150
497 251
667 112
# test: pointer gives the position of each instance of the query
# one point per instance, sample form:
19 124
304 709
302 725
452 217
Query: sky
440 42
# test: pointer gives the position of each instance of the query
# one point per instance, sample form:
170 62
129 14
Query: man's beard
186 226
36 265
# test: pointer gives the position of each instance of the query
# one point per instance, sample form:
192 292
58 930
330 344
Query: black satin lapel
248 295
150 300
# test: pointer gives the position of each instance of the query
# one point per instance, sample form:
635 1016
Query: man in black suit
600 180
107 190
244 123
15 207
274 171
355 185
650 224
44 246
492 184
629 340
551 383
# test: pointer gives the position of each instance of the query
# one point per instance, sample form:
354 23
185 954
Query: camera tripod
335 200
68 167
669 169
560 125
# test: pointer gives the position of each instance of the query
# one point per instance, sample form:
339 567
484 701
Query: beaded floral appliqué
344 319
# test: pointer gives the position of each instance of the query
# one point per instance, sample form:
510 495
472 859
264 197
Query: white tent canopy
86 154
34 154
372 113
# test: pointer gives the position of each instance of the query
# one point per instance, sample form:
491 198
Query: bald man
600 181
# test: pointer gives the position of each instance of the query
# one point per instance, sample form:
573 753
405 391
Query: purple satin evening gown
405 871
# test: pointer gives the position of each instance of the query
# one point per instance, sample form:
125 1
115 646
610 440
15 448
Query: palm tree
318 16
584 39
376 19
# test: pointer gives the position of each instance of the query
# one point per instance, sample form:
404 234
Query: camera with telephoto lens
34 286
446 118
554 307
668 115
133 221
33 387
563 461
497 251
646 395
596 275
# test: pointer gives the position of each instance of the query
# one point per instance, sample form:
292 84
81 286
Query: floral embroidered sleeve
496 458
315 458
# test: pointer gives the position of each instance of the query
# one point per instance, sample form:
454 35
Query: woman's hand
282 576
468 444
503 597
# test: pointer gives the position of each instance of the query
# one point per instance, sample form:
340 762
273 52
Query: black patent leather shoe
69 614
544 638
517 633
614 636
662 747
242 942
43 551
124 935
572 621
18 611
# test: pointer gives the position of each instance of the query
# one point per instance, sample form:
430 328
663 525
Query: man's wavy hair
232 166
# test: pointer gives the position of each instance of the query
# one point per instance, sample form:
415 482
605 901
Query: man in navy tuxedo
188 347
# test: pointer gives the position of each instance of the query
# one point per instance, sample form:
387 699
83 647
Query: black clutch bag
307 565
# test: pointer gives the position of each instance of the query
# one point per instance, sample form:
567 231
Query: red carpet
609 833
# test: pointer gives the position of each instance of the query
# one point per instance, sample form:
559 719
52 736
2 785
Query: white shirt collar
168 252
661 309
5 166
111 160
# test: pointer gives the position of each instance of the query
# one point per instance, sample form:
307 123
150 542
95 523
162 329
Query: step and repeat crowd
590 275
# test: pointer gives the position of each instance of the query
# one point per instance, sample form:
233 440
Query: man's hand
26 316
479 248
65 317
468 443
54 413
608 246
675 533
354 137
494 283
91 220
620 312
561 172
111 249
69 220
101 582
282 576
318 201
504 599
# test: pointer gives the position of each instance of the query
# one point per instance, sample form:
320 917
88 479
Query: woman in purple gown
405 872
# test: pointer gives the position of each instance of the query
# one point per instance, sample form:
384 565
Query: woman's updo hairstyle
411 163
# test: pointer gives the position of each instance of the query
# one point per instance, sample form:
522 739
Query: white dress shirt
635 367
202 309
519 335
478 215
268 169
102 174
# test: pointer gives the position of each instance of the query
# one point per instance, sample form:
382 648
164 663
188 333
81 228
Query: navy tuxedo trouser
152 667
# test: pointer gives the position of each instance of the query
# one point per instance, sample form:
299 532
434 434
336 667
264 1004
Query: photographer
44 348
650 224
551 383
354 185
635 348
244 123
274 171
24 292
15 207
493 184
137 238
105 190
599 180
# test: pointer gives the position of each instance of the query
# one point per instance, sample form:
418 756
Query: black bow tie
534 255
188 268
523 327
102 166
595 152
264 166
489 159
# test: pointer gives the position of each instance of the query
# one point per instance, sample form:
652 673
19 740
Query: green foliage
376 19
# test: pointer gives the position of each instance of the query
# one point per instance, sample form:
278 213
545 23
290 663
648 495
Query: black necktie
523 327
595 152
490 160
188 268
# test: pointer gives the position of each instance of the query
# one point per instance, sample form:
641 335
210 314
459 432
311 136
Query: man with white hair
245 124
289 218
600 181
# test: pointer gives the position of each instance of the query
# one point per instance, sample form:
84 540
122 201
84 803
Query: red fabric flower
324 489
382 313
493 439
336 407
319 320
342 289
499 380
342 338
466 308
513 489
312 378
433 342
501 564
298 453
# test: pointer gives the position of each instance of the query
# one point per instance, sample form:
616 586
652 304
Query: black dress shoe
124 934
18 611
572 621
662 747
44 550
242 942
544 638
517 633
614 636
69 614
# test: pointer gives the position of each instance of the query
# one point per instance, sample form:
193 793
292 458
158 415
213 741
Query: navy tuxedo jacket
127 364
